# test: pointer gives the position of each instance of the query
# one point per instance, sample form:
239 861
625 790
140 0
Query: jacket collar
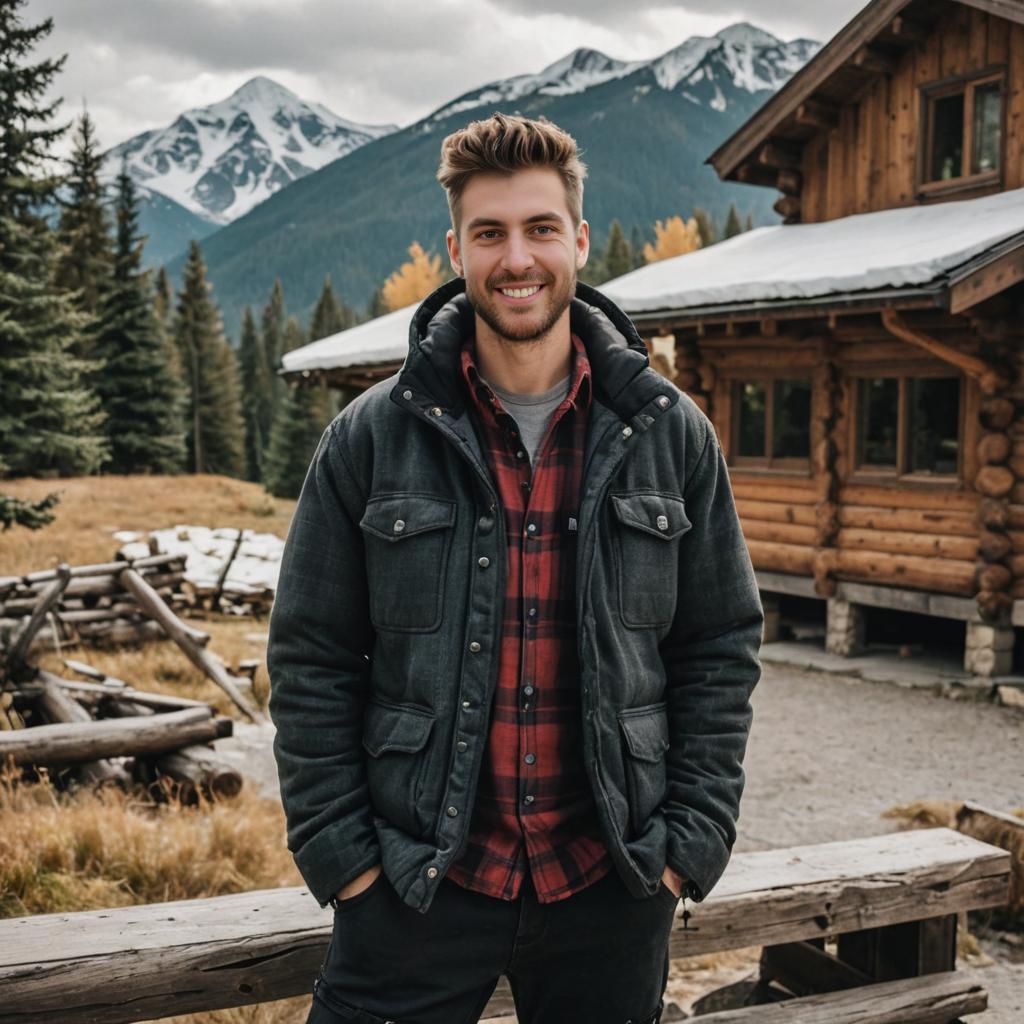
622 376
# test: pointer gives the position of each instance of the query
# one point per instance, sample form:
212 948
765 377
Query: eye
545 227
488 231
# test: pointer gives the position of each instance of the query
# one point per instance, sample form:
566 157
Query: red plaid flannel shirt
534 805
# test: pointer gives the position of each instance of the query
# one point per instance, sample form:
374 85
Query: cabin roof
864 48
384 339
895 253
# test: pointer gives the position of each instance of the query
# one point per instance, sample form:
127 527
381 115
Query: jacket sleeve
318 652
711 663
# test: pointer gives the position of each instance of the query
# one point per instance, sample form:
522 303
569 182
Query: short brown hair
506 143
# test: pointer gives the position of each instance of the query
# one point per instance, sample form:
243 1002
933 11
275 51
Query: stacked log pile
94 606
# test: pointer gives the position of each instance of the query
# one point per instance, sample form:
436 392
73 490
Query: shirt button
527 690
531 528
520 454
452 812
530 758
528 799
467 704
461 746
431 872
532 613
474 647
483 561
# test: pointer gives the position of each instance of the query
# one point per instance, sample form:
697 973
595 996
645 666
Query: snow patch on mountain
222 160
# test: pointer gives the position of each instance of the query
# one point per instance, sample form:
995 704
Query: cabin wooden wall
835 522
869 161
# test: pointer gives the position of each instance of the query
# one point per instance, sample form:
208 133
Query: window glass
791 419
933 426
752 419
947 137
878 409
988 126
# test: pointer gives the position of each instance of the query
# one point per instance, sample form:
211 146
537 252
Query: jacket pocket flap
646 731
397 516
660 515
402 727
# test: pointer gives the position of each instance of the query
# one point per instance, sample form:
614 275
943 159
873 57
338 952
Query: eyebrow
481 222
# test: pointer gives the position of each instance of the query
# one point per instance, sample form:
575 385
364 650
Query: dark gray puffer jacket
384 634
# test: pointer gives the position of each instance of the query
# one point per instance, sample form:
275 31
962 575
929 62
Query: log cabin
862 361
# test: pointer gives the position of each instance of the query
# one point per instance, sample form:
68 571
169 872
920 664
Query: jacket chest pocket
645 730
648 525
407 539
395 735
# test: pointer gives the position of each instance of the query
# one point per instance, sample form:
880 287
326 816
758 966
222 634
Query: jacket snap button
663 401
431 872
467 704
483 561
474 647
461 746
407 394
662 522
627 431
436 410
452 812
399 525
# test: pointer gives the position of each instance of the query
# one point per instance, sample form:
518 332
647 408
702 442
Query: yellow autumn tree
673 238
413 281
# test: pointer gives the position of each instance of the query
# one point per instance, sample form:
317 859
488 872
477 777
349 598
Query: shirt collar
579 379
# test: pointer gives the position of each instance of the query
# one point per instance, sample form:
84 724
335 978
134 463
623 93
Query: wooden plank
1013 162
782 512
786 533
747 484
940 522
804 968
995 277
900 495
942 575
784 583
903 543
775 557
934 999
941 606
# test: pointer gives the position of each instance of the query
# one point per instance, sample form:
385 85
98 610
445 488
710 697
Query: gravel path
828 754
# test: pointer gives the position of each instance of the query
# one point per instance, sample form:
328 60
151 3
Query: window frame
968 84
875 473
767 461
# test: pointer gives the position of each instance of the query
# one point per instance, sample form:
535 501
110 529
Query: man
515 636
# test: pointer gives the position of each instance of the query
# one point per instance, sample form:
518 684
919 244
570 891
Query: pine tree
142 396
750 223
733 226
30 514
414 280
83 235
331 315
298 425
705 225
50 421
256 395
272 330
674 238
216 429
636 243
163 297
618 253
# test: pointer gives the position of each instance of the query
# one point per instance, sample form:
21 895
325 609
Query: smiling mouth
521 291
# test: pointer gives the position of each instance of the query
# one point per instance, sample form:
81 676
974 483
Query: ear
582 244
454 256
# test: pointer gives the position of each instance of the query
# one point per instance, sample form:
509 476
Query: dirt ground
827 755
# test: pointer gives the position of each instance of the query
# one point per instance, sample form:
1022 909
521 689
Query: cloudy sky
138 63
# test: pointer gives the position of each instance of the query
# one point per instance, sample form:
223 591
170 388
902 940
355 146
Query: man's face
518 251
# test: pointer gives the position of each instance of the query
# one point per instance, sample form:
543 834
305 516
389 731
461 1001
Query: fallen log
182 636
120 737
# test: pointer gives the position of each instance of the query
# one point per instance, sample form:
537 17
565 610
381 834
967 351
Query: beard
527 324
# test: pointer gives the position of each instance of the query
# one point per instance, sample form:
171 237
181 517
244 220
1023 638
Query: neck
525 367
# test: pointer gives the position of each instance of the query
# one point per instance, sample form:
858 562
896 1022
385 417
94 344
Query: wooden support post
15 661
223 574
905 950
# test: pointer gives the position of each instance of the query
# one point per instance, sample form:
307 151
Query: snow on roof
909 247
384 339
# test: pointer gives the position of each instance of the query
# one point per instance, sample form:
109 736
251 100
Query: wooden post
828 450
15 661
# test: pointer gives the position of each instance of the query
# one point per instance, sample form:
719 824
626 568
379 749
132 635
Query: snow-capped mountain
747 57
220 161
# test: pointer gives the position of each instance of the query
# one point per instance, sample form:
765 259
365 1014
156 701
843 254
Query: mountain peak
745 34
263 90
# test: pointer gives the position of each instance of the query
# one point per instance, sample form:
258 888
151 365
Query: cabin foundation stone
988 650
844 627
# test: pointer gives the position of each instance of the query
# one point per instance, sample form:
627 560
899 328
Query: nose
517 257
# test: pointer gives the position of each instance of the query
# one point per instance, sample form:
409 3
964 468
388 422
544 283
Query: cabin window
908 425
772 422
962 133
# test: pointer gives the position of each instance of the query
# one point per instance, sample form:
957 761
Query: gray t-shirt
532 412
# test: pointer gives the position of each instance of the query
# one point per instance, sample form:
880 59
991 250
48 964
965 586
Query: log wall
869 161
833 521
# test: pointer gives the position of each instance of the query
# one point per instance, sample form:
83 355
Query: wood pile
94 606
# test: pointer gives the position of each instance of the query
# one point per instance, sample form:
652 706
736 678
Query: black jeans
600 956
